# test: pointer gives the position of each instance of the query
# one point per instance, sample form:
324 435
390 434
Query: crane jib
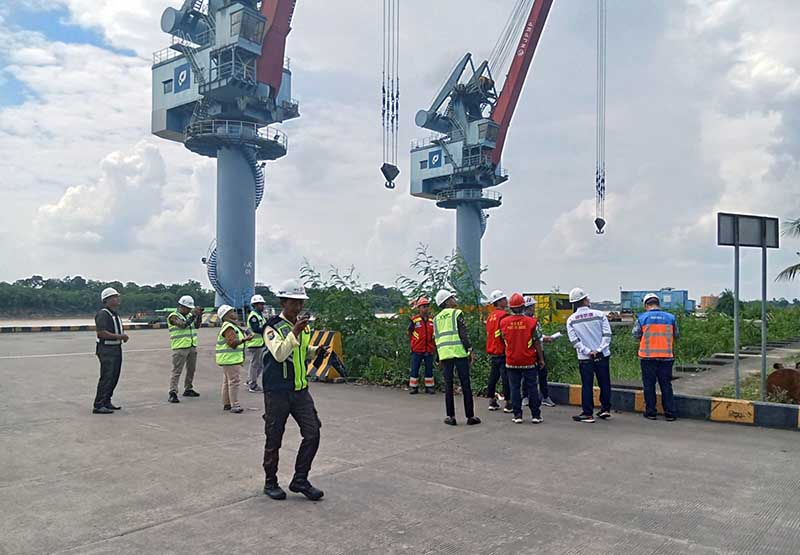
509 96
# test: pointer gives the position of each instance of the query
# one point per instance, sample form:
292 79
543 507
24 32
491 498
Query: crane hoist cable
504 49
390 91
600 173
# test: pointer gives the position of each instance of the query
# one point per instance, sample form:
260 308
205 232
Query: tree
791 229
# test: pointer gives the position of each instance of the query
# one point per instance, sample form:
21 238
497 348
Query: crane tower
217 88
470 120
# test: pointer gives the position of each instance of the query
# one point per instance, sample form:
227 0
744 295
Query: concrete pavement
162 478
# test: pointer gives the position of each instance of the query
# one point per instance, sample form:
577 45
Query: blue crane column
236 225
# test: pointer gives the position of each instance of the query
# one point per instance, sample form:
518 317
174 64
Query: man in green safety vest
455 355
287 339
182 325
230 356
255 348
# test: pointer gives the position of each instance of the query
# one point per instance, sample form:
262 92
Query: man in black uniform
287 339
110 337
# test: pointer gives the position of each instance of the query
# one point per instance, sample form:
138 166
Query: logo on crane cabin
435 159
182 78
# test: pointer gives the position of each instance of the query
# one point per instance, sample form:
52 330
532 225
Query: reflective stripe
299 354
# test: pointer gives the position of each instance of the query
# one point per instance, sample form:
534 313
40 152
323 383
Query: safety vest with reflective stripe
494 339
658 333
181 338
517 331
258 338
445 330
225 355
297 361
422 335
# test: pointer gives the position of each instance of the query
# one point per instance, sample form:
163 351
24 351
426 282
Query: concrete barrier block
693 406
732 410
774 415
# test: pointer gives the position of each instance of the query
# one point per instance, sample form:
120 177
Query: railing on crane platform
237 129
198 41
468 194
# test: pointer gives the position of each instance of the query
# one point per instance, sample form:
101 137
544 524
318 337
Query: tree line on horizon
69 295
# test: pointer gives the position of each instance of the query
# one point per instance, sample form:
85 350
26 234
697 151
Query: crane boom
507 102
273 49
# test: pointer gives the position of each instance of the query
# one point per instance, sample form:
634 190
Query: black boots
430 391
413 390
302 485
472 420
191 393
103 410
274 491
173 397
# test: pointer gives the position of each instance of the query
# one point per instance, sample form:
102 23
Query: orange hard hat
516 301
422 301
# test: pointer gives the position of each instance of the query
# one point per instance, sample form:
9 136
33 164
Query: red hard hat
422 301
516 301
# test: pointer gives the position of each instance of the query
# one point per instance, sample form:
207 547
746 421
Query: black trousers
278 405
498 372
110 357
449 368
598 367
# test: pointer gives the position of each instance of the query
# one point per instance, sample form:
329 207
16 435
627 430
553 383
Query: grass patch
750 390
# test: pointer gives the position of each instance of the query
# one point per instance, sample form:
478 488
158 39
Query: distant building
671 299
708 302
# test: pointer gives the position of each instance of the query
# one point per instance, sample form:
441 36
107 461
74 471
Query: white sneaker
537 420
517 420
548 402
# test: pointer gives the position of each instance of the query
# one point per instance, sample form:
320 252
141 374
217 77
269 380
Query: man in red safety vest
523 341
496 350
420 333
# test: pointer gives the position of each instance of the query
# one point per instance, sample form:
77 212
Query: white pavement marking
80 354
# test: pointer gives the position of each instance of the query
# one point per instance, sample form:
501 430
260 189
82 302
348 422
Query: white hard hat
495 296
530 301
650 296
257 299
108 292
186 301
223 310
442 296
292 289
577 295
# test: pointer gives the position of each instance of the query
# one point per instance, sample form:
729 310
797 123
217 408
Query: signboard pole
764 313
736 317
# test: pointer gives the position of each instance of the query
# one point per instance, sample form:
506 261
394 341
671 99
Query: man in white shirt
590 334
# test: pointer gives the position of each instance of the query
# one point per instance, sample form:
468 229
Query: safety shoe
493 406
536 420
450 421
237 410
517 420
604 414
302 485
102 410
173 397
226 407
670 417
585 418
413 390
430 391
113 407
650 416
473 420
274 491
508 409
525 402
548 402
254 388
191 393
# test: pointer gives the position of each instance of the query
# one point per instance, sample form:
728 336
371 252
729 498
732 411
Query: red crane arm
279 22
507 102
